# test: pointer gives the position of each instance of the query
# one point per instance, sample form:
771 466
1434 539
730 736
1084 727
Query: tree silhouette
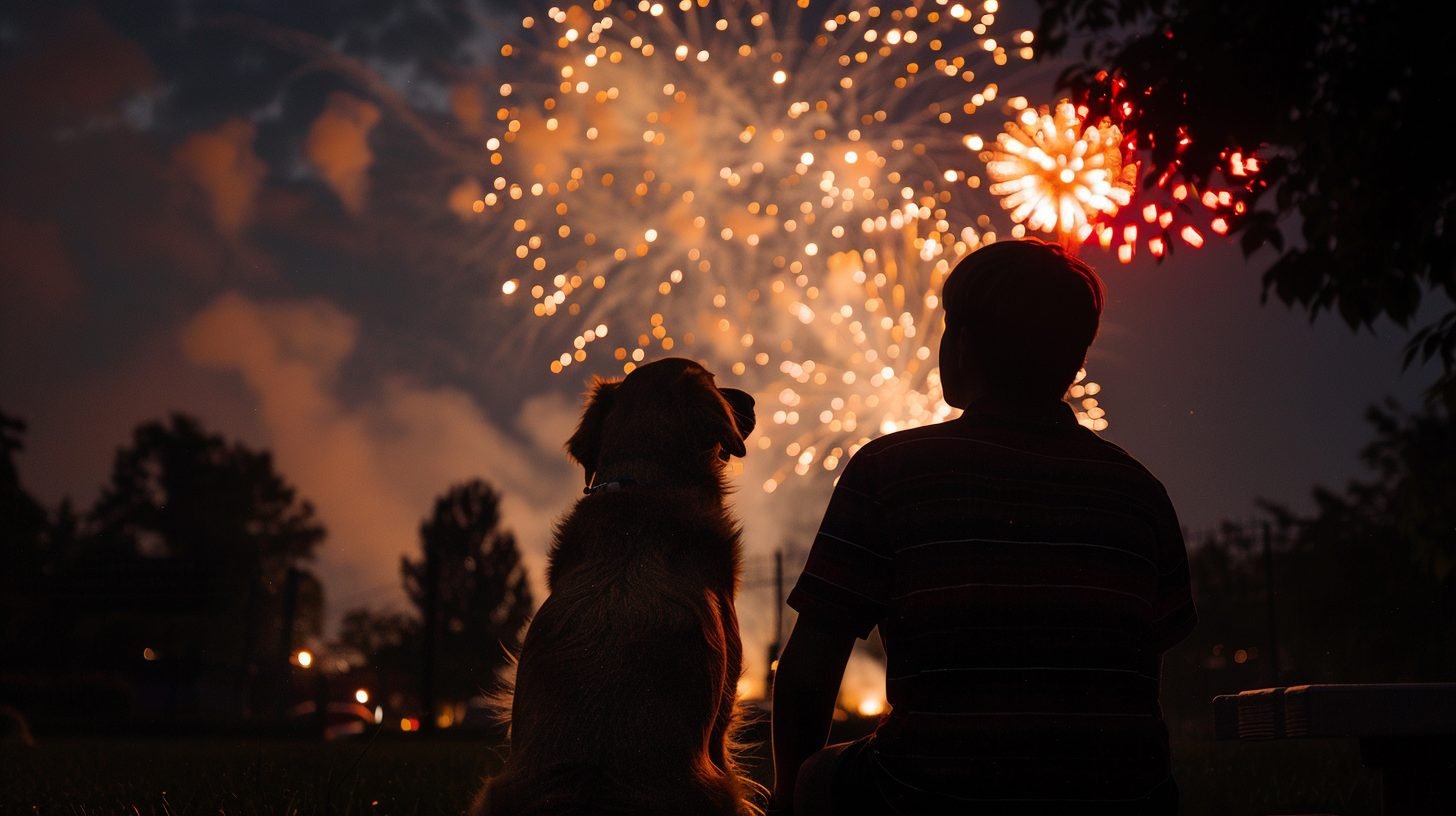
471 592
24 556
22 518
189 551
388 642
1364 585
1339 99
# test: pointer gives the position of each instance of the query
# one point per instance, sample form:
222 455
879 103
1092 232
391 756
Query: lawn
415 775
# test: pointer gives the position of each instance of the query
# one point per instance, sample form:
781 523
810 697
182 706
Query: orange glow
1155 246
362 695
1219 225
304 658
871 707
148 654
1192 236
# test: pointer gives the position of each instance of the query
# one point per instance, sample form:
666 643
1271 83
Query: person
1025 574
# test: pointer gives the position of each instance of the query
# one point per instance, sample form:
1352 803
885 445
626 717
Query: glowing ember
1167 204
1056 174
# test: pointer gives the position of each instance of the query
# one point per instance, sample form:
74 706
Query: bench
1406 732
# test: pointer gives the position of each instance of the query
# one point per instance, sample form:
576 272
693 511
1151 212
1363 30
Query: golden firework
1056 174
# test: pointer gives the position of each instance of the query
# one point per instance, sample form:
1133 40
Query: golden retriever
626 683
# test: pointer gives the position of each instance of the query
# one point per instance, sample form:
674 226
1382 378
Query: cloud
338 147
73 69
39 283
373 466
222 164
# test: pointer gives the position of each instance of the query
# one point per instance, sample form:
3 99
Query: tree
388 642
190 548
471 592
22 518
23 528
1364 585
1339 98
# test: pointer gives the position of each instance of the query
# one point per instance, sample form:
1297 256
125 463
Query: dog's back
626 683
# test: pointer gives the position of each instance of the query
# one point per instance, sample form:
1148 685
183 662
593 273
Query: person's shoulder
1115 453
905 439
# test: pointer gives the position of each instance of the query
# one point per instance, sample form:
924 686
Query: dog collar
607 487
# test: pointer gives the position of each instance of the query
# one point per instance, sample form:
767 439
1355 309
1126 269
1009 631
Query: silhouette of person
1025 574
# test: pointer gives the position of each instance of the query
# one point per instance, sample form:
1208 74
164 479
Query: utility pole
1274 673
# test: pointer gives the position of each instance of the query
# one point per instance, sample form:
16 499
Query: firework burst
1056 174
683 150
1093 182
778 192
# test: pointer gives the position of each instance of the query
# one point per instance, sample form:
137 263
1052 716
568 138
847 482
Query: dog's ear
742 423
585 445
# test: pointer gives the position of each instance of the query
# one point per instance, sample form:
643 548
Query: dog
625 690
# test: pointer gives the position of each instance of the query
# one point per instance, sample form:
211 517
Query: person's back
1026 577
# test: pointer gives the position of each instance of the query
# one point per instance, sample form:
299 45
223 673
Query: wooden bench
1407 731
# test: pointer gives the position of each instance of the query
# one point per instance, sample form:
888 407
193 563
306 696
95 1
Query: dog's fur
626 683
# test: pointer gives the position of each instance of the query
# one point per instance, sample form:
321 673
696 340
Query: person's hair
1031 310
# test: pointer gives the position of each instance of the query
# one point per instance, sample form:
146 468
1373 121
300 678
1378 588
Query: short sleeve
846 581
1174 614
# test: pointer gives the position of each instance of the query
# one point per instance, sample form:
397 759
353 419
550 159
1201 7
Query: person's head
1019 316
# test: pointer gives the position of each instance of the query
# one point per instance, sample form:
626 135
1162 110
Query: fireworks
678 152
1056 174
778 192
867 340
1059 175
1172 208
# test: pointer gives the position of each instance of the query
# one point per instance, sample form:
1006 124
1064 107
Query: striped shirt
1026 577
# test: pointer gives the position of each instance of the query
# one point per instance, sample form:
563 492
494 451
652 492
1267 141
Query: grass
419 776
414 777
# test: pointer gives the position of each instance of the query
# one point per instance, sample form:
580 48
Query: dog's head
669 412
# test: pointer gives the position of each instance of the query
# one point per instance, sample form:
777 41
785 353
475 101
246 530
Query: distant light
148 654
406 724
510 286
362 696
378 714
305 658
780 77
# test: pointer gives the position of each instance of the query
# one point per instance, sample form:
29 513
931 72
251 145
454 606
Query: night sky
188 225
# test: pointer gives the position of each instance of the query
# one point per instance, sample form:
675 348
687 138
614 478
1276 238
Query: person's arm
805 687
